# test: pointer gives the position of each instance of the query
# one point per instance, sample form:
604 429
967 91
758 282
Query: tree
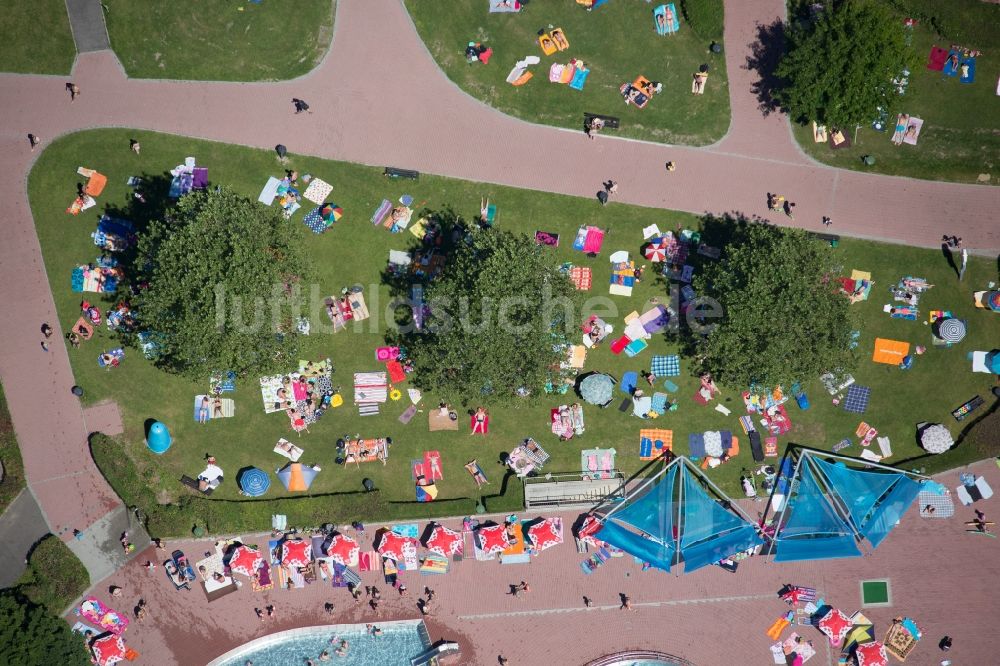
29 635
218 276
839 67
498 313
783 316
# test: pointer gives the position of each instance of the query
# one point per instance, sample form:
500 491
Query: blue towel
948 69
579 79
971 77
628 382
666 29
696 442
659 404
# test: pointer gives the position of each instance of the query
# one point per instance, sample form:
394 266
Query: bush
178 519
10 455
54 577
705 17
29 635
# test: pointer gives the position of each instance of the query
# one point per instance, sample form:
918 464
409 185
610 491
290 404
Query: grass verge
617 41
36 37
355 252
10 455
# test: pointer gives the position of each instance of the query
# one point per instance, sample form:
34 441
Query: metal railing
632 655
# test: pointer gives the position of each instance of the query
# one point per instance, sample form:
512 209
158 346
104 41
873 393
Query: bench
832 239
610 122
393 172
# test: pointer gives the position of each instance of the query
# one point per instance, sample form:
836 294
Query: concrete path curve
424 123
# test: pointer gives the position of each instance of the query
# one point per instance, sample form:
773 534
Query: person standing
74 91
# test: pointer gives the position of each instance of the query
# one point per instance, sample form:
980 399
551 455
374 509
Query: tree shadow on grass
765 55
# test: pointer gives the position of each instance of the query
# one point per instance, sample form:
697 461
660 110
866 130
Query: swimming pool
400 641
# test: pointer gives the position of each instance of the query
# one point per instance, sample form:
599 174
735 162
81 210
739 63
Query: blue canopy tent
676 519
835 506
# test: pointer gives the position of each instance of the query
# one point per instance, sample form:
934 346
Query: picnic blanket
936 58
857 398
589 240
653 442
93 278
370 387
270 191
318 191
899 642
912 137
890 352
228 408
665 366
437 421
505 6
582 277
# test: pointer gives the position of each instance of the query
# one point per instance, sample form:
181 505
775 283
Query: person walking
46 330
34 140
827 221
74 91
787 207
671 166
134 145
300 105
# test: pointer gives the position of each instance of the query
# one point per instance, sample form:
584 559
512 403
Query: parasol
835 625
936 438
871 654
245 560
546 534
950 330
330 213
108 650
296 553
493 539
343 550
656 251
392 545
254 482
444 541
597 388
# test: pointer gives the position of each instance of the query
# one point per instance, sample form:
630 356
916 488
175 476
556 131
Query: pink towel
594 240
592 463
606 462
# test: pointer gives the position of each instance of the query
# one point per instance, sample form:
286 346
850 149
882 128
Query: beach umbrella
426 491
254 482
988 299
597 388
296 476
297 553
245 560
871 654
331 212
993 361
546 534
936 438
588 528
493 539
344 550
950 330
108 650
444 541
394 545
656 251
835 625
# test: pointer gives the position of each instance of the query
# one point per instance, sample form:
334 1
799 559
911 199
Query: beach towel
556 71
857 398
936 58
505 6
228 408
548 238
370 387
270 191
582 277
317 191
314 221
951 68
635 346
665 366
665 20
890 352
482 429
380 212
288 450
396 372
436 421
659 405
819 133
593 241
432 465
547 45
696 444
579 78
653 442
408 414
970 73
909 136
901 312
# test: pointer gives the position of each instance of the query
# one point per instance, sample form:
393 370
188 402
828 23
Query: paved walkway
86 19
21 527
944 578
435 128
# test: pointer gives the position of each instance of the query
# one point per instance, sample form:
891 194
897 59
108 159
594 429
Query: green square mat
875 593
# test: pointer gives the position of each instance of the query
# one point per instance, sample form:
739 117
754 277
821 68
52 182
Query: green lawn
355 252
617 41
10 455
959 138
38 41
219 41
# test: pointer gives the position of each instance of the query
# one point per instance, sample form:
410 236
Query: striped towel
380 212
370 387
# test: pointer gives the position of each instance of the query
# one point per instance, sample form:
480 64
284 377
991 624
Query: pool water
399 642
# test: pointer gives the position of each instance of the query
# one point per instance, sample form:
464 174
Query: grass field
38 41
10 455
617 41
354 252
219 41
959 139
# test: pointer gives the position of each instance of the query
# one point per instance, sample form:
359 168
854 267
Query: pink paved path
945 579
433 127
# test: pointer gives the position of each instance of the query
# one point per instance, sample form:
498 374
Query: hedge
705 17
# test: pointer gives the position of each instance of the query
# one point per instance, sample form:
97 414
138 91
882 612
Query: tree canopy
29 635
840 64
784 318
497 315
217 276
